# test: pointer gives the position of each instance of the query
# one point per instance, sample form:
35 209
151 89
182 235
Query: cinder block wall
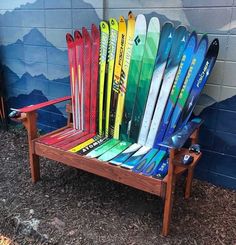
34 57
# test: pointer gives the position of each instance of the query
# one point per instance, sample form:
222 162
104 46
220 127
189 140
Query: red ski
73 74
79 67
86 78
95 34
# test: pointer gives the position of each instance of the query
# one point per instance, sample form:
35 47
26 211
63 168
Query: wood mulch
69 206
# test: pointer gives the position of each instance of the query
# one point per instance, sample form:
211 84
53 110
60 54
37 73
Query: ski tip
104 26
85 35
204 41
214 48
131 16
84 31
167 26
95 32
113 23
121 19
154 23
69 40
77 36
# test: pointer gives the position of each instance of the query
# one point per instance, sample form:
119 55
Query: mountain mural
34 55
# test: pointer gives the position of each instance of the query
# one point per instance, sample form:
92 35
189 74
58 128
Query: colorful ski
202 78
135 64
179 41
113 152
150 52
176 53
103 148
85 144
193 70
102 70
86 78
160 65
120 48
179 79
124 73
94 77
134 73
111 61
99 141
73 77
123 156
78 42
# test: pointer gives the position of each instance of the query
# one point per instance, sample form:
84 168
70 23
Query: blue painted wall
34 57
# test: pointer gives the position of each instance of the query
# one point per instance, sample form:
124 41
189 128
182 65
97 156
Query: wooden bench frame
164 188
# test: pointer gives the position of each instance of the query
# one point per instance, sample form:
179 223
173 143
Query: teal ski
120 147
103 148
179 41
134 73
149 57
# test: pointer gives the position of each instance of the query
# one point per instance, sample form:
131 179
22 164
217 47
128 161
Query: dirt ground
69 206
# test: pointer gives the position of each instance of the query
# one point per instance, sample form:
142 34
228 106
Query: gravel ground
69 206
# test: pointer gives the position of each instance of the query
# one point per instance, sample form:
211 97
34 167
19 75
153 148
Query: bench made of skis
160 187
144 147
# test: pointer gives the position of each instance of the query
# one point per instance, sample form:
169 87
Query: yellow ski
102 70
120 48
124 73
111 61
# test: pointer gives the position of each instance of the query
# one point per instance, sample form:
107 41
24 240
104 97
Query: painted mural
34 60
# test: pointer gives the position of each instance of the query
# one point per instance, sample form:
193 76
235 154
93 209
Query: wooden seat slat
121 175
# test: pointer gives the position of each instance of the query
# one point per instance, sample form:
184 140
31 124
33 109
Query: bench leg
170 189
168 209
189 180
31 127
34 167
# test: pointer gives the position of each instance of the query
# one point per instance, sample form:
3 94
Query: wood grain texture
118 174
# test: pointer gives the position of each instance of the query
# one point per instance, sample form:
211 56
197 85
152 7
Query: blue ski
193 70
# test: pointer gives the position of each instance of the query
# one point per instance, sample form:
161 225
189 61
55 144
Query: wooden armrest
41 105
179 138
